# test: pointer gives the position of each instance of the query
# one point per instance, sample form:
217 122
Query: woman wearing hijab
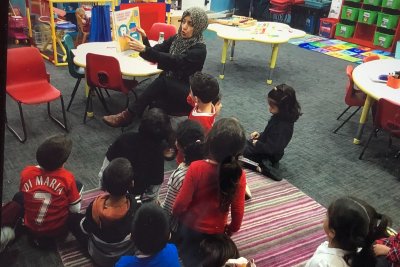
179 57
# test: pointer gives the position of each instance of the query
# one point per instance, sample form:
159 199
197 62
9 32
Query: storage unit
327 27
370 23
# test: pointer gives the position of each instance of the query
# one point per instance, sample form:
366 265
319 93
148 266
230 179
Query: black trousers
250 153
166 93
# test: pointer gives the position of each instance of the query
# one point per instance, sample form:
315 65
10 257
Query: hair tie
198 141
359 204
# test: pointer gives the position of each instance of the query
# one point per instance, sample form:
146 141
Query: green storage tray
393 4
367 16
383 39
355 1
349 13
387 21
373 2
344 30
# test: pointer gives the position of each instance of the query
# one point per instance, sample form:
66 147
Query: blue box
397 53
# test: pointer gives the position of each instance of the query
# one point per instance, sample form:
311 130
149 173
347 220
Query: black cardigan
183 65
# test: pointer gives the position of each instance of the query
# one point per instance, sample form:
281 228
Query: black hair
117 177
190 137
217 99
284 97
224 143
155 124
216 250
356 225
54 152
150 231
204 86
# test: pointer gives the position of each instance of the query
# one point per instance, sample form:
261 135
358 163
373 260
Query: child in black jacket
271 143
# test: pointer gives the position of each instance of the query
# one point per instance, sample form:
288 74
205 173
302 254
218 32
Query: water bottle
161 38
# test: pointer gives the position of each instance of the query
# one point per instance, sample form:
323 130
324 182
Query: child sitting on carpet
106 226
351 226
388 251
144 149
271 143
189 141
48 193
151 233
216 250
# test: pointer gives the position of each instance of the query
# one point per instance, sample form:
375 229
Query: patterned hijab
200 23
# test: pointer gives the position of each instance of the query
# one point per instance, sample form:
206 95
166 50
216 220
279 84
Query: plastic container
382 39
393 4
373 2
387 21
344 30
349 13
393 82
355 1
317 3
327 27
367 16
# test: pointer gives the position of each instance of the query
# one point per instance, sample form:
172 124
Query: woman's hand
254 135
135 44
381 250
141 31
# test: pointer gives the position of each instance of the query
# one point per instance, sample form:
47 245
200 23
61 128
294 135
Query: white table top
274 32
366 74
130 66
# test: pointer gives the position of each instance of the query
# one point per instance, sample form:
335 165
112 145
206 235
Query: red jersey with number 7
47 197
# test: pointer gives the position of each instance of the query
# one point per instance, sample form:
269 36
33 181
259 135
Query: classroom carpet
337 48
282 226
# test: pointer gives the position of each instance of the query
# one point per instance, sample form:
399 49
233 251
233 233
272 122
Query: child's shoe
7 235
271 173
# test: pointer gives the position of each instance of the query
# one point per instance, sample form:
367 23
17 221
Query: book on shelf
126 23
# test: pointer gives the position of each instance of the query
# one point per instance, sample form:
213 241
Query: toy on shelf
17 25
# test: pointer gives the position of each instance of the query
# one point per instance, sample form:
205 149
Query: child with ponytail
211 188
351 226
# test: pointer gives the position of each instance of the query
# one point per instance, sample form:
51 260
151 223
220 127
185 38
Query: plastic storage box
367 16
344 30
393 4
387 21
327 27
317 3
349 13
382 39
373 2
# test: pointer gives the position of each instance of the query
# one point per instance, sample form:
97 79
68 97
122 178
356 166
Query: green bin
382 39
349 13
355 1
387 21
393 4
367 16
344 30
373 2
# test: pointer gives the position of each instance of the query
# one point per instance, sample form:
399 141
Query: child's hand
381 250
135 44
254 135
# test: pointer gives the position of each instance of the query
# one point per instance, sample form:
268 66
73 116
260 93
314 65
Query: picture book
125 24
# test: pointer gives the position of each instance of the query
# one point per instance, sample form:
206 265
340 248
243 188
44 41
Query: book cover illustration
125 24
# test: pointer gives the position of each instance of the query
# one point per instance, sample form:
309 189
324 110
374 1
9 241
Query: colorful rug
282 226
337 48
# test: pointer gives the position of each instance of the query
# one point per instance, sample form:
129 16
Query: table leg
90 112
232 50
223 58
274 57
363 119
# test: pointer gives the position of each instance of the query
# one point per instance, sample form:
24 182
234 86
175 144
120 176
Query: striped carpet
282 226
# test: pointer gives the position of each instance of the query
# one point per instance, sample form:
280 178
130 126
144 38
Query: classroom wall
221 5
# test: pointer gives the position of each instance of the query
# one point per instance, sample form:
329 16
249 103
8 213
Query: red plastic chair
387 118
28 83
103 72
353 98
371 58
280 10
168 29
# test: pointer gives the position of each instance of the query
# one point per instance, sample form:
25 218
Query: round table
130 62
365 76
